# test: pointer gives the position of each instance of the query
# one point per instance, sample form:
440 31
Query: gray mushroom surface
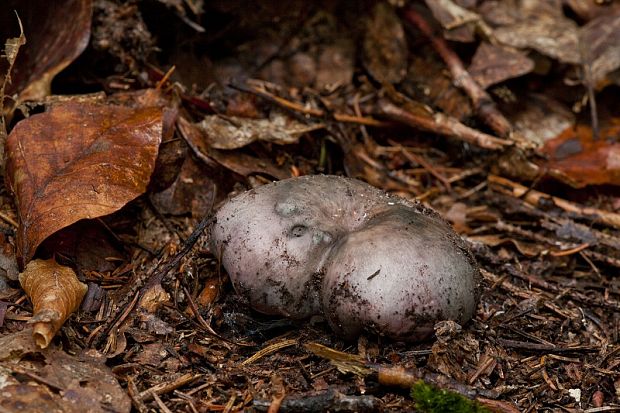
339 247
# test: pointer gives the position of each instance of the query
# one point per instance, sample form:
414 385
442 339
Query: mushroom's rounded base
339 247
398 277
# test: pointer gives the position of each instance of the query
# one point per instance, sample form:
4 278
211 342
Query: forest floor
502 116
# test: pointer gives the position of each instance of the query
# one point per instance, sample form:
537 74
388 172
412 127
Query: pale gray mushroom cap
313 245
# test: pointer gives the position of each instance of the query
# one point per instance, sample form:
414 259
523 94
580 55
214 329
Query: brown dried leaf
55 292
336 64
78 161
494 240
540 118
153 298
66 383
385 46
194 190
15 345
12 46
493 64
245 165
232 132
52 43
538 25
240 163
88 244
577 159
458 22
599 39
543 26
587 10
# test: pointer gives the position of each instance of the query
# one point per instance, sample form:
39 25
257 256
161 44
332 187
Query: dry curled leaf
55 292
238 162
78 161
599 39
493 64
540 118
538 25
458 22
234 132
52 43
385 45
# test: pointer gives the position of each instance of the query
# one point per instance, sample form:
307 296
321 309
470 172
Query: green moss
430 399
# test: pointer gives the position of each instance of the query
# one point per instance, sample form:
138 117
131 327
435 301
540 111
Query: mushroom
338 247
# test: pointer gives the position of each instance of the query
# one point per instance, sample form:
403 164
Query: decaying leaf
493 64
385 46
65 383
11 48
458 22
193 190
236 161
540 118
78 161
153 298
494 240
538 25
55 292
232 132
599 42
544 27
587 10
52 43
578 159
336 64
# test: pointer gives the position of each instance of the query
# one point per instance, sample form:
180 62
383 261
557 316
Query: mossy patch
430 399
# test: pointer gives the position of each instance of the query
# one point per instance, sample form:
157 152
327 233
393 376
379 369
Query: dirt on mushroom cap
339 247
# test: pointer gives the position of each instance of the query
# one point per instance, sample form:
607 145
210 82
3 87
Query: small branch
589 83
534 198
483 104
442 125
296 107
120 313
546 348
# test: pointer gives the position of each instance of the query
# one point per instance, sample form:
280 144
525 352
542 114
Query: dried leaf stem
442 125
483 104
534 198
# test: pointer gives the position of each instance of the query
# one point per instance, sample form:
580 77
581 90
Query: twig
586 64
534 198
426 165
197 314
268 350
393 375
547 348
331 400
169 386
483 104
158 276
442 125
134 394
122 311
296 107
8 219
